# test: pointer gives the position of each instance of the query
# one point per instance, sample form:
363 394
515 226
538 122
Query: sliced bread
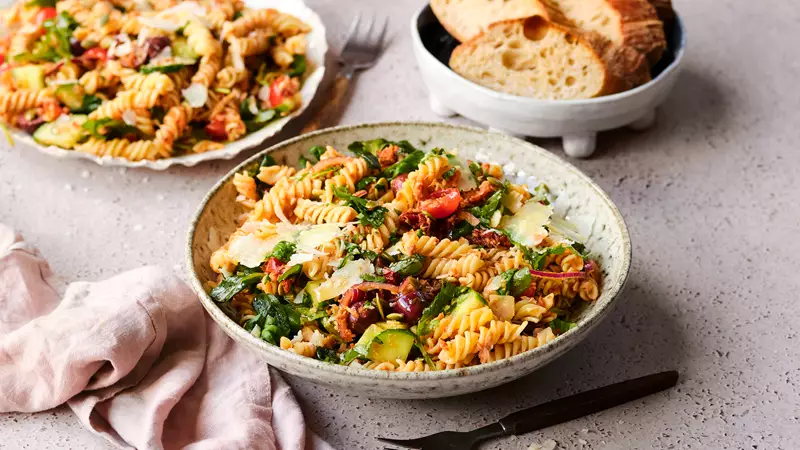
533 57
465 19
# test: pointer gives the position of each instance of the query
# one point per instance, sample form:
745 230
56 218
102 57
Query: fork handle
585 403
329 110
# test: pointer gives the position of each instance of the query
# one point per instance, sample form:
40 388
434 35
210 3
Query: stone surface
710 194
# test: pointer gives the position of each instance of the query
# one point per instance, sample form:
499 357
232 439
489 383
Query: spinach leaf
283 250
279 319
302 162
445 296
108 128
365 182
244 270
292 271
373 278
405 165
405 146
373 217
354 251
298 66
268 161
485 212
366 150
231 286
461 229
477 172
310 314
88 104
327 355
353 354
537 259
506 277
408 266
317 151
560 326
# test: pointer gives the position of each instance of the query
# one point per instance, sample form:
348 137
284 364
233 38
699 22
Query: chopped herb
537 259
373 217
373 278
283 250
541 193
449 174
408 266
405 165
294 270
317 151
562 326
231 286
445 296
298 66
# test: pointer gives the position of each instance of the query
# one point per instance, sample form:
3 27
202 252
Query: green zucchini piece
391 345
28 77
64 134
466 303
174 65
182 49
71 95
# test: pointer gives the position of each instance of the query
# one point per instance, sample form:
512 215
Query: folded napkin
137 359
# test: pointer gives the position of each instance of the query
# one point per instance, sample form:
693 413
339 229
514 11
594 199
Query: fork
546 414
362 47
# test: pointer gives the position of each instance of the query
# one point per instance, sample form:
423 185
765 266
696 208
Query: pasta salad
399 259
147 79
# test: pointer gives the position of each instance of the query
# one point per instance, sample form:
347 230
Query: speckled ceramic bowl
608 239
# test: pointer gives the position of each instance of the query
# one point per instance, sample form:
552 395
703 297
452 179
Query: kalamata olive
75 47
410 305
429 289
390 276
366 315
29 125
397 183
156 44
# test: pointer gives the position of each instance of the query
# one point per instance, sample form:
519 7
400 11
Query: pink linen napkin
137 359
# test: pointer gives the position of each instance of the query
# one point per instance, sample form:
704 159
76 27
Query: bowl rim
564 341
530 101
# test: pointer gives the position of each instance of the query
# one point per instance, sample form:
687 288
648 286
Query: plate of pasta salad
399 254
152 83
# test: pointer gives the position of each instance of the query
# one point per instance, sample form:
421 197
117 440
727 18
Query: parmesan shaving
129 117
197 95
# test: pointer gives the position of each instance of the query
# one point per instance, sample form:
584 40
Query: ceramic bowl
575 121
317 48
579 198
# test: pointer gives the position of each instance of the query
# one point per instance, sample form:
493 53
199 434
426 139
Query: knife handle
585 403
333 105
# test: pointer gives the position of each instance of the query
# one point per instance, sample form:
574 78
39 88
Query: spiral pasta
316 212
457 267
433 247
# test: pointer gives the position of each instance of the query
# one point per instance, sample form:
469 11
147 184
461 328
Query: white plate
317 47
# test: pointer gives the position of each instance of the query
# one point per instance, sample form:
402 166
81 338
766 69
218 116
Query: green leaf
450 172
405 165
562 326
372 216
327 355
373 278
461 229
520 282
292 271
405 146
302 162
365 182
367 150
166 68
108 128
408 266
506 277
351 355
317 151
492 204
41 3
280 320
89 104
283 250
445 296
424 354
475 169
298 66
231 286
268 161
537 259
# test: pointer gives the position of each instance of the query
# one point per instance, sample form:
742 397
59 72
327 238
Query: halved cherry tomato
398 181
531 291
216 128
274 267
2 59
441 204
276 90
96 53
45 14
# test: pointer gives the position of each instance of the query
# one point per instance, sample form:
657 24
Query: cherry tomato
98 53
45 14
441 204
2 59
274 267
276 90
531 291
216 130
397 183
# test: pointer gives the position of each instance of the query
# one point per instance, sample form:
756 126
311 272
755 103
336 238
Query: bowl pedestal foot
439 108
579 145
644 122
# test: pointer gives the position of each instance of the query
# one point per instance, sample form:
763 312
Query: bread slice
533 57
466 19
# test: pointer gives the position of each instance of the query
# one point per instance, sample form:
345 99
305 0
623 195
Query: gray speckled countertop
711 196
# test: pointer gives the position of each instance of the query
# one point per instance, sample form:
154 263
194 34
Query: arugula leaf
292 271
267 161
244 270
352 354
373 217
405 146
108 128
327 355
365 182
280 320
405 165
317 151
515 282
357 252
367 151
485 212
408 266
311 314
475 169
461 229
506 277
560 326
536 259
298 66
425 355
445 296
231 286
88 104
373 278
283 250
